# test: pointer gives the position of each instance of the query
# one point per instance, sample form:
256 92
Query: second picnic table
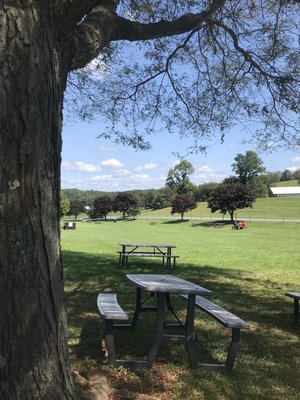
147 250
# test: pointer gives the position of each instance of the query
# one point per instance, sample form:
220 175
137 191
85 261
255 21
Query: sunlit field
248 271
280 208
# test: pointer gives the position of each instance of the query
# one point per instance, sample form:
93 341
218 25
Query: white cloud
122 173
80 166
292 169
112 162
150 166
206 173
206 169
102 178
147 167
105 149
296 159
138 169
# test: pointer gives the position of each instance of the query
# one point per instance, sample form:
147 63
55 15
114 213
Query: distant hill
293 182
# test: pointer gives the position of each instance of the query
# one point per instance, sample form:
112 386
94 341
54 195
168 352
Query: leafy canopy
183 203
230 197
248 166
238 65
178 177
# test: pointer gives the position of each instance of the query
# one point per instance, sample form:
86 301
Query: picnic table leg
233 349
296 311
190 318
124 260
169 258
174 261
159 326
109 341
138 304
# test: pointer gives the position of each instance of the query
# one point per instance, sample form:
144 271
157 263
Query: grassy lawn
281 208
248 271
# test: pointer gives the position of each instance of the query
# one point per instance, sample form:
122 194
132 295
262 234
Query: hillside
282 208
293 182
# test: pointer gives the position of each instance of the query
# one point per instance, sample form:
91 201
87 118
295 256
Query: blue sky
91 163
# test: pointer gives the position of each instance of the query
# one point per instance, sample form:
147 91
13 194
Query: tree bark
40 42
231 213
33 347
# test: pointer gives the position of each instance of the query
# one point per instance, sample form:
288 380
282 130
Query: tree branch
76 10
246 54
102 25
92 35
135 31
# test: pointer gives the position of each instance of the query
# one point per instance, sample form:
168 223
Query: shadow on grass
267 351
211 224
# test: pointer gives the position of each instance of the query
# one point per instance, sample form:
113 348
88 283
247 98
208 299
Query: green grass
281 208
293 182
248 271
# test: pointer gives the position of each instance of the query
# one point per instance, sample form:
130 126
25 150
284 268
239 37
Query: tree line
249 181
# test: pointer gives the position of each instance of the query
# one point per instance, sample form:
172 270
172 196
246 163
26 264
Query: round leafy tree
102 206
124 202
230 197
183 203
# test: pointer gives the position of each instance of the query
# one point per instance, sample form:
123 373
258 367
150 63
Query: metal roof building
288 191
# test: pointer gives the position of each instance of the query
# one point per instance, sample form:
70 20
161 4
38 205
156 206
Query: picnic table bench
111 311
228 320
296 297
163 251
69 225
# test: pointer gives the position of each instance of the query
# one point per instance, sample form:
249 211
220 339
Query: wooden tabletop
167 284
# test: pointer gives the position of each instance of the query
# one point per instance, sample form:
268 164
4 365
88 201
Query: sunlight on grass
281 208
248 271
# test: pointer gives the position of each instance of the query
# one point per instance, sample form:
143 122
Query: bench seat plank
228 320
109 307
293 295
224 317
110 310
123 256
149 255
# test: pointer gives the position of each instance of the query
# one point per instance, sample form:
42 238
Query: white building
288 191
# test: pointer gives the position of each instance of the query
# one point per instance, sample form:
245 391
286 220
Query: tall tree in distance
201 65
64 205
286 175
247 167
178 178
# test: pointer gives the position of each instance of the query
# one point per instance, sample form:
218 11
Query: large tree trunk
33 347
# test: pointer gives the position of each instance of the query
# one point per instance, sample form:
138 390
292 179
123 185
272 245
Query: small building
288 191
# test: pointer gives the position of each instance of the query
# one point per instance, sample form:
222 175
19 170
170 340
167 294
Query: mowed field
279 208
248 271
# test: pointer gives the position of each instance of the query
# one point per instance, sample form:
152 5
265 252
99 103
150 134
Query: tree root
98 389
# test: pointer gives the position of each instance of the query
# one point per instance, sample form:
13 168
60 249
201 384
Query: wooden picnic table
147 250
159 289
162 286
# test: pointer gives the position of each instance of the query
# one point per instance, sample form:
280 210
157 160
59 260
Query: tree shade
244 63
